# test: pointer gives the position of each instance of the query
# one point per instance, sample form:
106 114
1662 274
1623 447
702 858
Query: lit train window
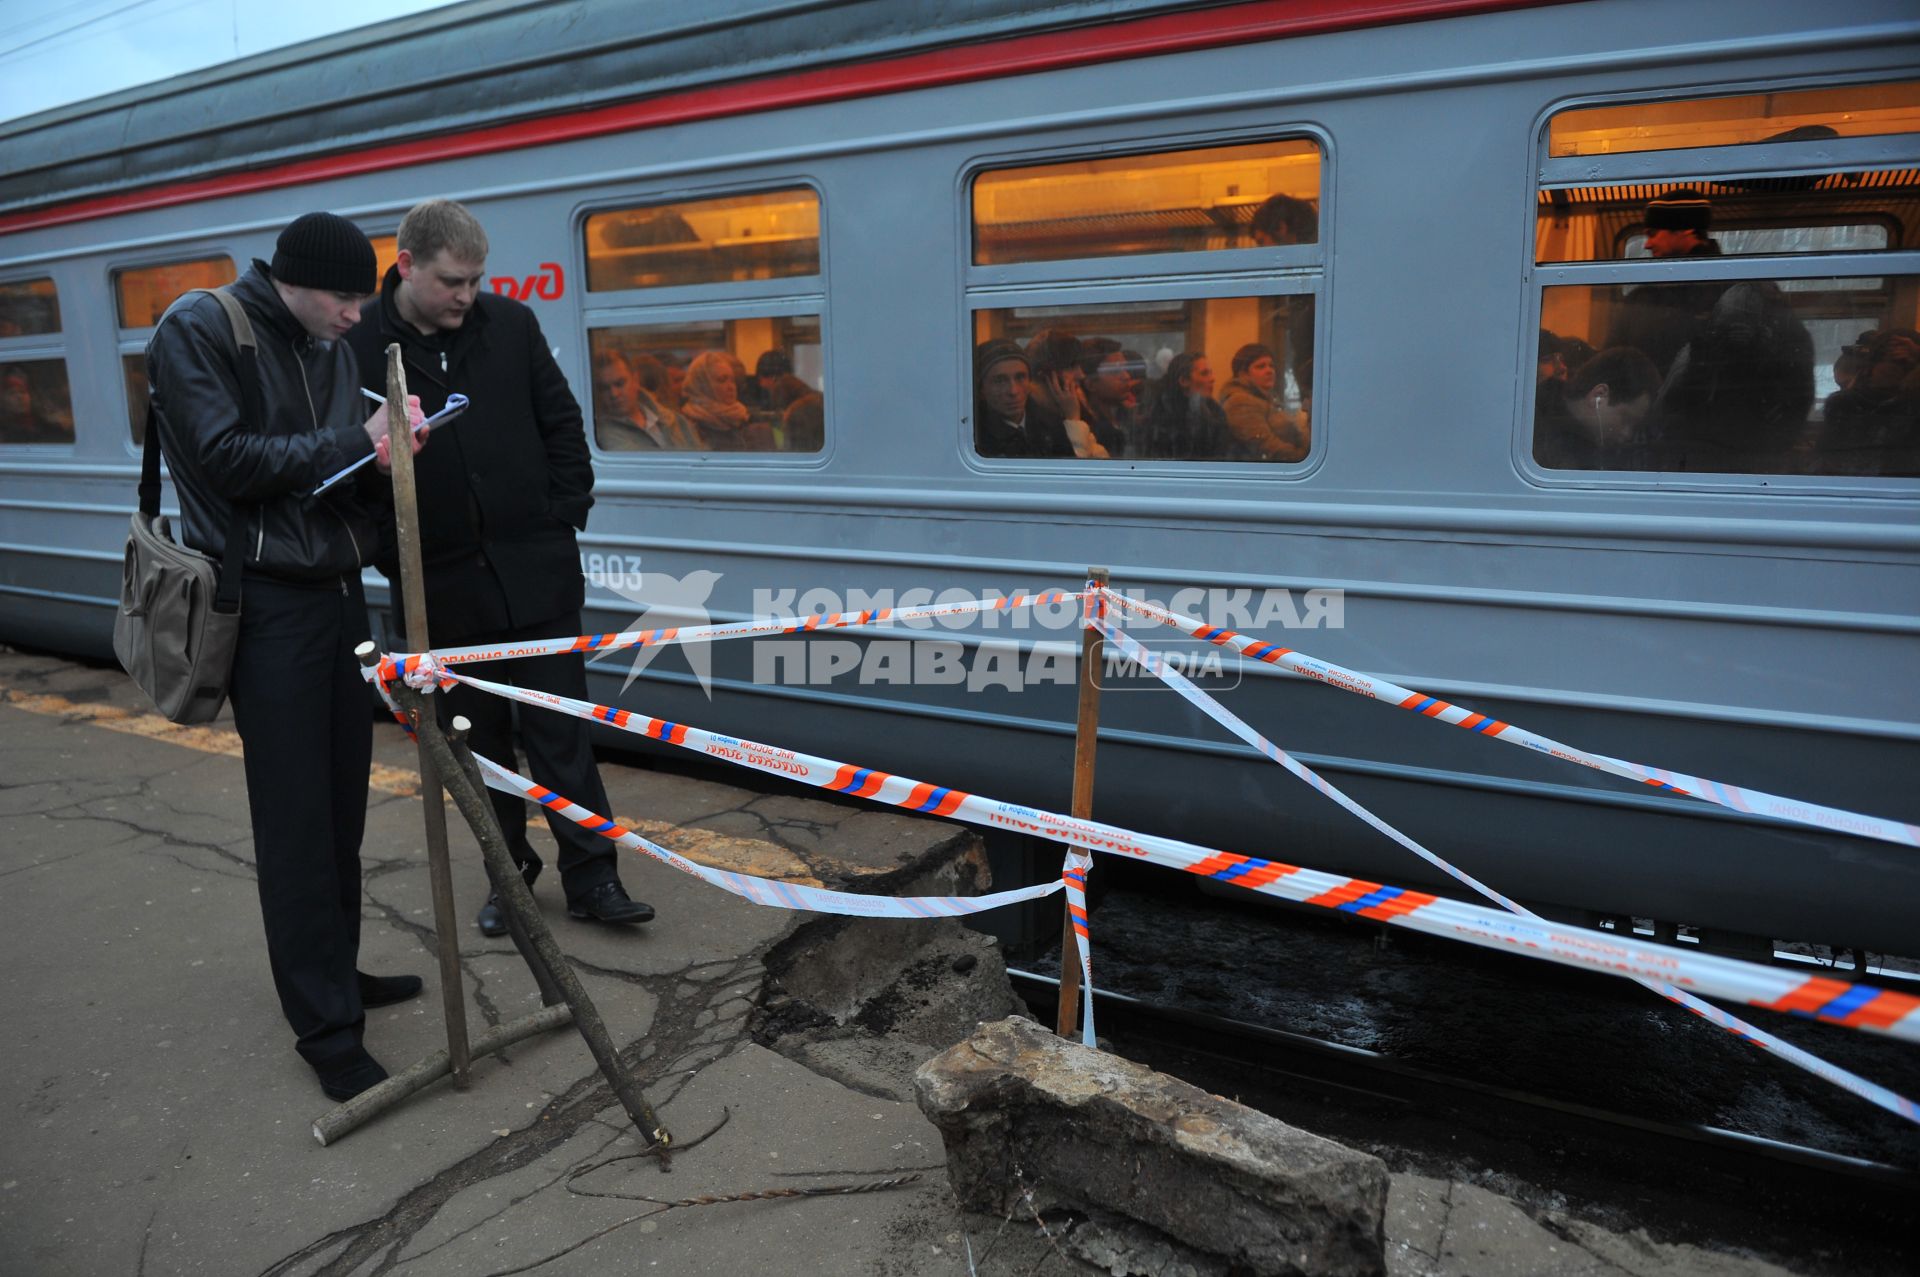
29 308
1168 202
1751 376
1734 217
1214 379
1860 110
386 251
1658 354
145 292
133 371
766 235
35 404
734 385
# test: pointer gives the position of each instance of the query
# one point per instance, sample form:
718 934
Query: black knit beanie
326 251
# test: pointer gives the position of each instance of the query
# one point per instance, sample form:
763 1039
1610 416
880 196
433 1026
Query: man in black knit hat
299 703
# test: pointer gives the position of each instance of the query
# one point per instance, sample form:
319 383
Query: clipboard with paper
456 404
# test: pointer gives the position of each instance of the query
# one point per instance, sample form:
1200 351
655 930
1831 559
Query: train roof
470 65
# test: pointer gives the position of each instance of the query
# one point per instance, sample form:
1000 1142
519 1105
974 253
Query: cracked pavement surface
158 1122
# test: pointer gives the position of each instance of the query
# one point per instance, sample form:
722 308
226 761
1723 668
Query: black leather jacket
310 397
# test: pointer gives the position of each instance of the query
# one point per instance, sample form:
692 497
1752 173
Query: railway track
1379 1078
1811 1209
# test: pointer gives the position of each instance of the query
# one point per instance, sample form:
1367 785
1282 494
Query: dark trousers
558 753
302 711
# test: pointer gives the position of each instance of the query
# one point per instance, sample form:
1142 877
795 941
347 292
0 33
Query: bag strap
227 596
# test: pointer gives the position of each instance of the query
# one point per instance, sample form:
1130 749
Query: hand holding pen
381 436
456 404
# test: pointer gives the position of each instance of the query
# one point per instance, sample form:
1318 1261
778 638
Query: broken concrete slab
1028 1115
867 1001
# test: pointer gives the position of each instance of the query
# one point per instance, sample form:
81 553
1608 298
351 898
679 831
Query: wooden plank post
413 594
1086 738
551 970
537 962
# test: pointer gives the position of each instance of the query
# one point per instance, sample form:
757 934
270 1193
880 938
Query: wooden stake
376 1100
413 594
456 765
551 993
1086 738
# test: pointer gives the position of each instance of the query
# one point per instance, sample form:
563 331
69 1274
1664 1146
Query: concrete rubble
867 1001
1025 1114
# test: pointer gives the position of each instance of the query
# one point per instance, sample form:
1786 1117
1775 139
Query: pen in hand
456 404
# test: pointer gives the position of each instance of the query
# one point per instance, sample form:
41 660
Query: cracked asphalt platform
157 1120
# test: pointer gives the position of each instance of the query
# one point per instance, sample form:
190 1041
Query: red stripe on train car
1024 54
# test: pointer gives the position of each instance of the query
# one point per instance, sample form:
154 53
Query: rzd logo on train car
549 283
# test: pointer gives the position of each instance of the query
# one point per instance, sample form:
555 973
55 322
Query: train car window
1738 217
133 371
386 251
29 308
766 235
35 404
736 385
1658 354
145 292
1211 379
1860 110
1750 376
1169 202
1862 238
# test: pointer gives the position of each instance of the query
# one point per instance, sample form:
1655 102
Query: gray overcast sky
53 54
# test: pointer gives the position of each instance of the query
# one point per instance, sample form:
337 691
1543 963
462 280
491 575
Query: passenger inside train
1760 371
1006 420
1192 212
627 417
34 404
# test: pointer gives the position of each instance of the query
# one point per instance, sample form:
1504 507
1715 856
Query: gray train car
1433 218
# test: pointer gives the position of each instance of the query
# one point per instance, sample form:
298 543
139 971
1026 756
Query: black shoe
608 902
385 990
491 920
346 1077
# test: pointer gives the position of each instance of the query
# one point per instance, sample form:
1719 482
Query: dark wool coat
504 488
